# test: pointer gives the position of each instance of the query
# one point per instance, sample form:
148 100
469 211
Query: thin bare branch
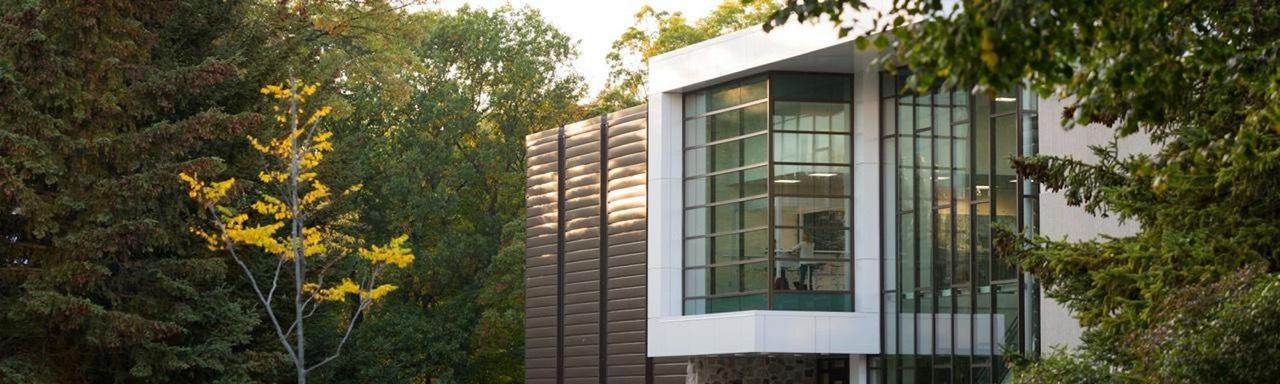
253 281
364 303
275 278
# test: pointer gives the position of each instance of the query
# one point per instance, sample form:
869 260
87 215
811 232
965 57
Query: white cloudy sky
594 23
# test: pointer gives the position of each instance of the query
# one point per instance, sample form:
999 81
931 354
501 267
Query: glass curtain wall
951 308
812 192
768 194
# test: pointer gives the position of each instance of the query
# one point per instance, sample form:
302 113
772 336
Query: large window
768 195
951 308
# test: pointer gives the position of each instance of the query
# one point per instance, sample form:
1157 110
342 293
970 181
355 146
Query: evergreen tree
101 104
1191 297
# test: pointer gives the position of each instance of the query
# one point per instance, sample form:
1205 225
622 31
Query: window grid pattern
767 194
950 310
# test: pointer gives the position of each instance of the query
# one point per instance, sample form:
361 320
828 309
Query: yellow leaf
380 291
338 292
394 253
988 47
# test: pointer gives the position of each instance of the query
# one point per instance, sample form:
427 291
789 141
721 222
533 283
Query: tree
656 32
448 166
1198 78
298 199
100 103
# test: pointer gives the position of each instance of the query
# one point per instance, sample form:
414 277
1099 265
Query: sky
594 24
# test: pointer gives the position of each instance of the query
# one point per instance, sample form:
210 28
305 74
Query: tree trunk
295 245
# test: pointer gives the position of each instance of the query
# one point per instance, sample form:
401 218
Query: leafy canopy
1198 80
448 166
100 104
291 194
656 32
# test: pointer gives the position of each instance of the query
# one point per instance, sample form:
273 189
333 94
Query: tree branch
275 278
364 303
252 282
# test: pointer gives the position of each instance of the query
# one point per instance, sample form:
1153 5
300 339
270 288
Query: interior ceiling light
1005 99
786 181
824 174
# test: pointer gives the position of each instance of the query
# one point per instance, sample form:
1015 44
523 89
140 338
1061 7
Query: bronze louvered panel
669 370
582 252
626 210
542 256
586 254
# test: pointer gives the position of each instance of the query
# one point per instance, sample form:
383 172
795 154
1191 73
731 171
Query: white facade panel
1059 220
749 332
803 47
666 215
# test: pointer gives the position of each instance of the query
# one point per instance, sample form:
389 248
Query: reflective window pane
695 282
789 86
811 148
1006 315
695 222
726 248
809 180
695 191
740 184
739 246
695 162
1006 102
696 251
724 125
811 212
755 150
737 303
729 248
755 118
695 104
805 116
887 117
726 155
737 93
947 181
726 217
811 275
830 302
812 243
695 132
695 307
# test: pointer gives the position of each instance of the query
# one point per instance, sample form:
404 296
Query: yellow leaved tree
275 231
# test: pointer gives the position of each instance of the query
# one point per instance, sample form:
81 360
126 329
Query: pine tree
101 104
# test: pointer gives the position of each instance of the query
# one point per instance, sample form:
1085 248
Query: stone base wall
751 370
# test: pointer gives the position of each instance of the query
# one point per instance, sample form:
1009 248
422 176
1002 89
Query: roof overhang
805 47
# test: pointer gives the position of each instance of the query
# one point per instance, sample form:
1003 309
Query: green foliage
656 32
1226 331
1198 80
448 166
100 104
1059 366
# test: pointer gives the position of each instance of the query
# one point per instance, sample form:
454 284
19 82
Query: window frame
770 194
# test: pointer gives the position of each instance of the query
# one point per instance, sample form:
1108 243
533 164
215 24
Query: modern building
783 210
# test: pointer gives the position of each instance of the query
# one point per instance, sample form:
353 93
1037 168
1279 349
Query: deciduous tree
1199 79
656 32
448 166
291 196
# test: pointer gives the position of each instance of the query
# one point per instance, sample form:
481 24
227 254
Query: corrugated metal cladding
585 261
